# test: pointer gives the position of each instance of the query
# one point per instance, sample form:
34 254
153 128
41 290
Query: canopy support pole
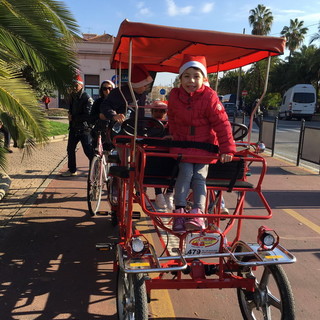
216 86
134 101
260 99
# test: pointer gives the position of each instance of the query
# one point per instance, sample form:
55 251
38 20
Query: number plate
206 243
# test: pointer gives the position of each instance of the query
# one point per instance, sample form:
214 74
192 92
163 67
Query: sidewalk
29 175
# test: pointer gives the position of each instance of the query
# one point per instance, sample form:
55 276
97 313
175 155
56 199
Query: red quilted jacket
200 117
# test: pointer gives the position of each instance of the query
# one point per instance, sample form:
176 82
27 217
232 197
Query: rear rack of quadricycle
155 166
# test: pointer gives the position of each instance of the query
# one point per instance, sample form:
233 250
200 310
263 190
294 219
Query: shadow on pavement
50 267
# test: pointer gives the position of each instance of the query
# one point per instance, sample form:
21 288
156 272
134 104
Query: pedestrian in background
6 136
46 100
79 114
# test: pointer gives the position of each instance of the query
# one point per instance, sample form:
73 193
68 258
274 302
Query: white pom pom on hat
140 76
110 82
190 61
78 79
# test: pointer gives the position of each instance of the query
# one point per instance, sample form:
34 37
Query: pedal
102 213
105 246
136 215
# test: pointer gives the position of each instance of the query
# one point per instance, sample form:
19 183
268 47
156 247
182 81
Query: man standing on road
80 105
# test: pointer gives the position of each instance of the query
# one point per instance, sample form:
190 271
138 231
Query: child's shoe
169 201
195 224
160 201
224 210
178 222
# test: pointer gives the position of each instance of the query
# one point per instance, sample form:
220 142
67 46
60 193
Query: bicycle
98 172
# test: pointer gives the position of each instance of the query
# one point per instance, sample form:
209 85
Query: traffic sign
114 79
162 91
244 92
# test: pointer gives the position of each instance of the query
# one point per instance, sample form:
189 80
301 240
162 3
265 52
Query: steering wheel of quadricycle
239 130
147 127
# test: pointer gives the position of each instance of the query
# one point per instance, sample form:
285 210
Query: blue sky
105 16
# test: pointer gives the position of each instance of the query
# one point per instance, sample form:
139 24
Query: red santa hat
140 76
78 79
158 104
190 61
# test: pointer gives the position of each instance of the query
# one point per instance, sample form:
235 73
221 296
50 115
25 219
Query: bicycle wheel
272 297
131 296
95 185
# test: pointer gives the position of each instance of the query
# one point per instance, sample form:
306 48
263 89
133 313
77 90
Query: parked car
231 109
298 102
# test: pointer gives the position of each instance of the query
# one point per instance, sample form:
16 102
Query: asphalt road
287 141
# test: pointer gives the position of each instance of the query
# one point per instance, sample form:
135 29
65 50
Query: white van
298 102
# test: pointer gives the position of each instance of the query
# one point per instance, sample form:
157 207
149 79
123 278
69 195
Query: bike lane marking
303 220
162 301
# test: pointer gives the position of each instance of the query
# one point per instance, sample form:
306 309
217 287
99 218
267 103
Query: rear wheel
272 297
131 296
95 185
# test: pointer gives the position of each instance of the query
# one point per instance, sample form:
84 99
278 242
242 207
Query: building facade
93 55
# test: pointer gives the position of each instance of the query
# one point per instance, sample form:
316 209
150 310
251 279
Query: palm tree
261 20
39 34
316 36
294 35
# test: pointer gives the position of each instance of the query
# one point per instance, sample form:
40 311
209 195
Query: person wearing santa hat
159 112
115 106
79 114
101 125
196 114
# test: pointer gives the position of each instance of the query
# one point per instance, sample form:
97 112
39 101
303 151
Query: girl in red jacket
196 114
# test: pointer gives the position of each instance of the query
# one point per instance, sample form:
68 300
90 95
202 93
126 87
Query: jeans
73 139
191 175
7 137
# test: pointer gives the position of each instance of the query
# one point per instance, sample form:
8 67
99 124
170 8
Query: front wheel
131 296
95 185
272 297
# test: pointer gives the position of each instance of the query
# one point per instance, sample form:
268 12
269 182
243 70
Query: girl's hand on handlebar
226 158
119 117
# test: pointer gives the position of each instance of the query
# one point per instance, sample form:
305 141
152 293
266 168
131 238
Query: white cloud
207 7
140 5
143 10
173 10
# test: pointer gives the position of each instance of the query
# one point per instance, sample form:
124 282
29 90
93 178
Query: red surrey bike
218 257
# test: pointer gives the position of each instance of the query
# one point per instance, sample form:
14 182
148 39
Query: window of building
91 85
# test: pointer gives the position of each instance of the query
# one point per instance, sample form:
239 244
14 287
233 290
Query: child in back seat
162 201
196 114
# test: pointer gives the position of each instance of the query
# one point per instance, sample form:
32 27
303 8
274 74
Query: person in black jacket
80 105
101 125
105 88
115 106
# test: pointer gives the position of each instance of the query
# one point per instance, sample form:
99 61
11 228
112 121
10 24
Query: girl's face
192 79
